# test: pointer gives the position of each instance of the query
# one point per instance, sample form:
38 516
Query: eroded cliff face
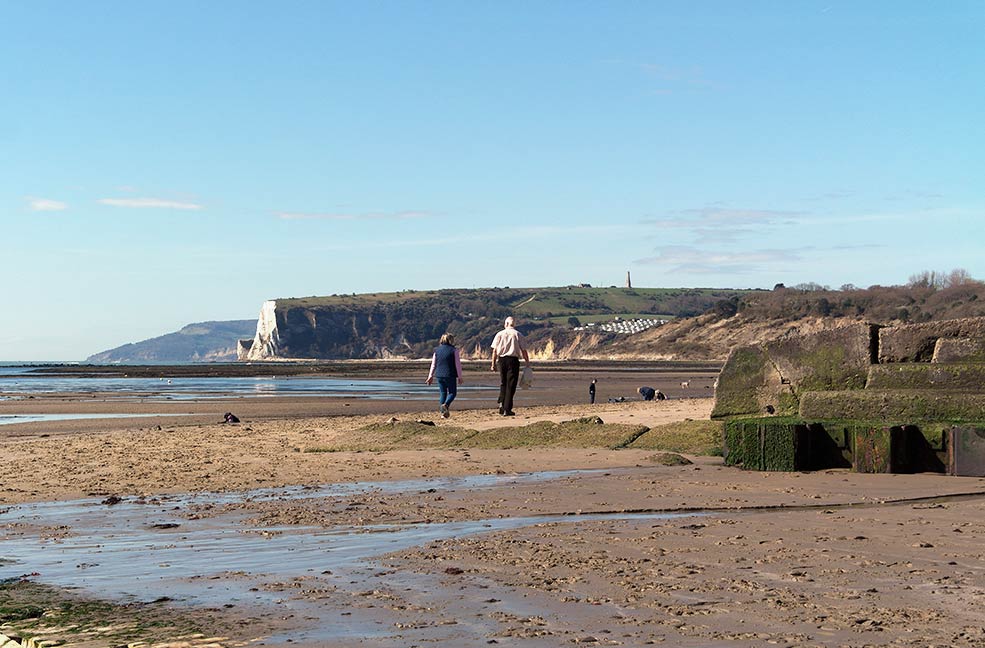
287 330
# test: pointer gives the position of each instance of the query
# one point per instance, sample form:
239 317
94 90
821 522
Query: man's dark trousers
509 375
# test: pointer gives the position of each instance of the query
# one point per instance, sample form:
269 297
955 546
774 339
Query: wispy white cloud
718 217
693 260
350 216
45 204
149 203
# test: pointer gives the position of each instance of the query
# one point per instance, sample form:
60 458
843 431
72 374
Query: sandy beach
830 558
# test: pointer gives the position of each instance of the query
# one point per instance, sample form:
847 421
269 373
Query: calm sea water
17 381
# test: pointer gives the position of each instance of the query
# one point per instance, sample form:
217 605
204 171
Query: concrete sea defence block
966 451
917 342
966 377
894 406
784 444
771 444
834 359
776 373
740 382
750 385
873 447
959 350
732 440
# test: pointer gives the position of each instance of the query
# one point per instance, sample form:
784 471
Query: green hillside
540 303
200 342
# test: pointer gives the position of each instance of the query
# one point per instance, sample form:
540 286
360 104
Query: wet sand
830 558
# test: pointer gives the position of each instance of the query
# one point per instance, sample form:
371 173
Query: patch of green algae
590 432
50 613
689 437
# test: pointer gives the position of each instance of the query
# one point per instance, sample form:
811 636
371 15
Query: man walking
591 392
508 349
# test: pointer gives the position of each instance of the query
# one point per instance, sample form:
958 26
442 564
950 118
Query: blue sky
171 162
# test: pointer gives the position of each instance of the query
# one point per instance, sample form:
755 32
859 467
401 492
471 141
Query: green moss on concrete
831 368
780 443
833 359
732 441
867 446
787 404
743 375
924 375
752 451
896 405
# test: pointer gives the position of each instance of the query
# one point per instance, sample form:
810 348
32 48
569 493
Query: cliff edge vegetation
558 322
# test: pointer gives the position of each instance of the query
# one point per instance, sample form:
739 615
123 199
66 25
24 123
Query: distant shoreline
347 368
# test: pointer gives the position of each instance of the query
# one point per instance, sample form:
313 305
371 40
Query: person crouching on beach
446 366
507 349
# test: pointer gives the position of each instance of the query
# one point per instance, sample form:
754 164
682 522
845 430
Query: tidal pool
145 549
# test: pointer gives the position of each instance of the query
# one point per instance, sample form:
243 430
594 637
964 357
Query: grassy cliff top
541 302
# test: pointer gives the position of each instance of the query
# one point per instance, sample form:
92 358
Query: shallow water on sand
142 550
20 381
11 419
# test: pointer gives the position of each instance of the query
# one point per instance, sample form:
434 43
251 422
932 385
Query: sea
18 379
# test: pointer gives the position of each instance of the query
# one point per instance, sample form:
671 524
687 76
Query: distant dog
685 384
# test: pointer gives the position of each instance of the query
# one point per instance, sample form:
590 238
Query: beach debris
423 422
393 420
112 500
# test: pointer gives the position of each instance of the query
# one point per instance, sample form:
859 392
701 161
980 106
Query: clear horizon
184 162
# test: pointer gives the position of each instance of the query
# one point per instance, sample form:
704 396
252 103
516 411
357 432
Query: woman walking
446 366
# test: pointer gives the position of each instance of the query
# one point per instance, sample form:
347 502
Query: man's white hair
509 321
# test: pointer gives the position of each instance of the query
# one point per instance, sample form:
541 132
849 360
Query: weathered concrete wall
833 359
917 342
966 451
897 406
786 444
966 377
776 373
748 382
959 350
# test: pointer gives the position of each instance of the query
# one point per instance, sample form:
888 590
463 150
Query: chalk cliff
289 330
409 324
